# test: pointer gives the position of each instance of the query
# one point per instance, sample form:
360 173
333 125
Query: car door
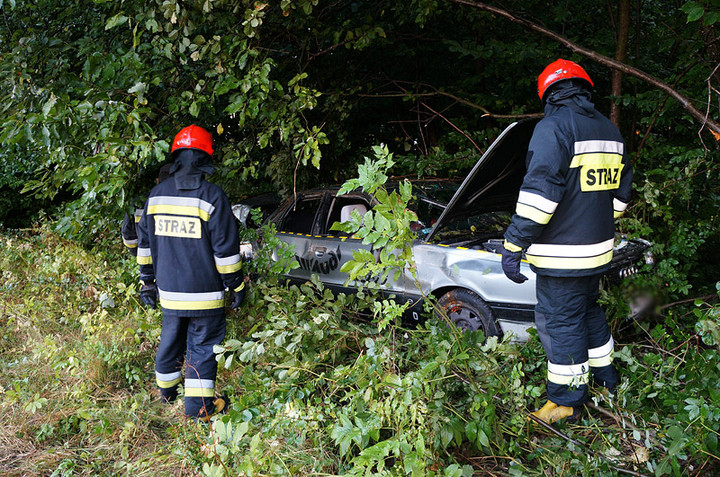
296 225
331 248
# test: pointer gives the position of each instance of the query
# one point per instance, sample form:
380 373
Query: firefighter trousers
577 340
191 340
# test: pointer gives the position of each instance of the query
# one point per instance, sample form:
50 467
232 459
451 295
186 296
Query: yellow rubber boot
220 408
551 412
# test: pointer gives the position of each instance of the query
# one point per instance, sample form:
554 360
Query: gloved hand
149 295
237 292
236 298
511 265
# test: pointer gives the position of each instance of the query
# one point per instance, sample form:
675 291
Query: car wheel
469 312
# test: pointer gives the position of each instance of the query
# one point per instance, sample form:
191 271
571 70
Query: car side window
300 218
341 209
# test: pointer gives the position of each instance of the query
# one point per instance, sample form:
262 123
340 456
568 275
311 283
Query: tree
97 88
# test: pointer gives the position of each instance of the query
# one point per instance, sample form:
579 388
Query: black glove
511 265
149 295
236 298
237 292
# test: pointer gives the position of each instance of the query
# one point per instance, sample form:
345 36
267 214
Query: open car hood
494 182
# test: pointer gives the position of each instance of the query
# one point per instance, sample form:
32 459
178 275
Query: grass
317 393
76 398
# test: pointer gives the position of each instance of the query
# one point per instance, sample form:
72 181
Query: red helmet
560 70
193 137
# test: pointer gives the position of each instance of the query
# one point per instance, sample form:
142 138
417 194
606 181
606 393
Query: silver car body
461 261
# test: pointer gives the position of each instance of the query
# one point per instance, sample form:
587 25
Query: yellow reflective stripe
144 256
191 301
130 243
229 268
602 355
618 207
536 200
512 247
568 374
191 305
199 387
168 380
571 250
242 285
599 159
179 210
199 392
168 384
570 263
229 264
601 362
536 215
144 260
568 380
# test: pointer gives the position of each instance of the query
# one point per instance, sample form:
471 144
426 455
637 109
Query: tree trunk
623 33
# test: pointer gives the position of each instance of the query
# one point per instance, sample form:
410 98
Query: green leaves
115 20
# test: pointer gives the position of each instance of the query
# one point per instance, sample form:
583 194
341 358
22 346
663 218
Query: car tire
469 312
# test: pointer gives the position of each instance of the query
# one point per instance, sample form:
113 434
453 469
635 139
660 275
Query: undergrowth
318 386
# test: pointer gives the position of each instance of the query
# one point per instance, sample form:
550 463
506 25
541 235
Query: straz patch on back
600 178
598 171
174 226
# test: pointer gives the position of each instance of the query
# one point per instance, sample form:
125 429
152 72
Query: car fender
443 267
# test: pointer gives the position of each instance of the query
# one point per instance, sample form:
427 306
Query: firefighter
129 225
188 253
578 180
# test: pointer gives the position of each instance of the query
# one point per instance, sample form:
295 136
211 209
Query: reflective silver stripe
182 202
199 388
192 301
200 383
144 257
535 207
568 374
568 369
537 201
228 264
202 296
224 261
168 376
583 147
138 214
130 243
602 355
619 206
570 251
168 380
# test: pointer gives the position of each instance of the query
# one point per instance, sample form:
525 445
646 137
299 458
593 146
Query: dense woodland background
296 94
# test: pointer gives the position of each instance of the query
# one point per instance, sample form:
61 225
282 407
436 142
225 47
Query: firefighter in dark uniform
128 230
578 180
188 253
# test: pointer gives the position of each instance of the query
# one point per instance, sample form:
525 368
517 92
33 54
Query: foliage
97 90
316 388
93 92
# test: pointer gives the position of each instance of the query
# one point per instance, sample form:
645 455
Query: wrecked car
459 231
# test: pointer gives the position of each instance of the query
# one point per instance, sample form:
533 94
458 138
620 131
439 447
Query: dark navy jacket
188 243
578 181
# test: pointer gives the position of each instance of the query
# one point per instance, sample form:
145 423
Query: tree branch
713 126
